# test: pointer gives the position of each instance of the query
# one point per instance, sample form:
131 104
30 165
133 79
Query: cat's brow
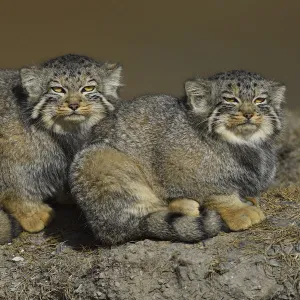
55 81
90 80
227 92
262 95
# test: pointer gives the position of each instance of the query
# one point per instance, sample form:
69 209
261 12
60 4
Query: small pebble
274 263
17 258
288 249
78 290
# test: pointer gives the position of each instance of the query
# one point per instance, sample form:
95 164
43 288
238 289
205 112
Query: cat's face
71 93
238 106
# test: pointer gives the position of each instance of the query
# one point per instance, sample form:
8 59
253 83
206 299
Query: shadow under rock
70 227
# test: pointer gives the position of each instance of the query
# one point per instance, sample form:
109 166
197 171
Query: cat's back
147 111
139 120
9 84
9 80
9 77
158 104
11 122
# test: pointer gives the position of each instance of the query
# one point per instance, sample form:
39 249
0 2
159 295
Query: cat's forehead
71 80
71 62
71 70
236 74
74 80
241 83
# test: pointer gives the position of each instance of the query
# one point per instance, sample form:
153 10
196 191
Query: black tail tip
212 222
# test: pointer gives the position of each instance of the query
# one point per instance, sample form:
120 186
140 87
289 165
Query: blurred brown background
160 43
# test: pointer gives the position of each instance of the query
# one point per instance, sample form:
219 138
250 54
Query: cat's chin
242 134
74 118
66 124
245 129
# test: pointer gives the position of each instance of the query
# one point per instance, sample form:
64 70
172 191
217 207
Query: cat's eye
231 100
88 88
259 100
58 89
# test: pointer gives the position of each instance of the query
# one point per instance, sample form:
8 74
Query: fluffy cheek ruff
95 110
61 119
230 128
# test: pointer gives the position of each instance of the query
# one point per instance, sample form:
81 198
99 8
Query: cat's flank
46 112
216 147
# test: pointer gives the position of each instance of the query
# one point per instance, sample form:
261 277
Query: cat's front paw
241 217
37 219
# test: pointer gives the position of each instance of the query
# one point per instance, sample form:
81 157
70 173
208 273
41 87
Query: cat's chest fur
255 167
42 157
47 163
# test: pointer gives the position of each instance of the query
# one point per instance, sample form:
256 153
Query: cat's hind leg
119 201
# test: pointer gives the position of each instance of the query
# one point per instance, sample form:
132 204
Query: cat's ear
112 79
32 81
277 94
198 93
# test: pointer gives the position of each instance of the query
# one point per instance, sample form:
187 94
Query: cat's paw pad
241 218
37 219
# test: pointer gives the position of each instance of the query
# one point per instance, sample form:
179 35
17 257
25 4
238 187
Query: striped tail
173 226
120 228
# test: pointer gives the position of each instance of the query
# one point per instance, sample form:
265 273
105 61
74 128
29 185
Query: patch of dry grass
278 238
282 208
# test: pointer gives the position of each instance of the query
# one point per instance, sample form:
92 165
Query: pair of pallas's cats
138 169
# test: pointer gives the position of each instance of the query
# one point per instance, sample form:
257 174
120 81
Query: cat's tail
174 226
113 226
117 218
9 228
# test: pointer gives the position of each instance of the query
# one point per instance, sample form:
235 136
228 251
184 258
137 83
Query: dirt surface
263 262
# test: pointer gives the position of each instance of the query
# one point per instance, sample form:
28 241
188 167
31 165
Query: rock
17 258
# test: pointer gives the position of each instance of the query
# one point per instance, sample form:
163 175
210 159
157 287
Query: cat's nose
73 106
248 115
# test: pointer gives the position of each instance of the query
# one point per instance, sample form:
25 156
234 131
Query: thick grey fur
34 158
179 156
